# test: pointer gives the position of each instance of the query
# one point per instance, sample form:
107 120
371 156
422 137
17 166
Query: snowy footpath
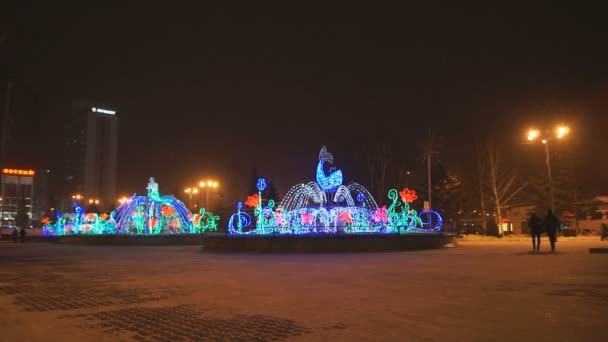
485 289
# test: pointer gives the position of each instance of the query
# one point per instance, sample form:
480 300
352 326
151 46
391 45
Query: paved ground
480 291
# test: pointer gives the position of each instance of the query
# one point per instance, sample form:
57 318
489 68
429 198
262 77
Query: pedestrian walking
536 229
552 228
22 234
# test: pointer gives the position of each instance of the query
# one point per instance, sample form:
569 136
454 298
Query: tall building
91 149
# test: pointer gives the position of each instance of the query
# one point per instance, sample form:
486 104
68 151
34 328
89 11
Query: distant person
22 234
604 232
552 228
15 234
536 229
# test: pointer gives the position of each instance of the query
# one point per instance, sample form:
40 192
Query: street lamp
189 192
208 185
533 135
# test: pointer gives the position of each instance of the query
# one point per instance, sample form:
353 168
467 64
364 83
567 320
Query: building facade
91 149
17 195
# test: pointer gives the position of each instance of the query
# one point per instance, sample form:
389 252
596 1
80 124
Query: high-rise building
91 149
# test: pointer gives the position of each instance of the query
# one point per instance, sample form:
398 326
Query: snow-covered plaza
483 290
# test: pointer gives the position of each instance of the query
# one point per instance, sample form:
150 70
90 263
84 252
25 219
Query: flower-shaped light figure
253 200
407 195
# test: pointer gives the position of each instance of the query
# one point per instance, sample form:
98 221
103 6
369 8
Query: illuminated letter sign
18 172
103 111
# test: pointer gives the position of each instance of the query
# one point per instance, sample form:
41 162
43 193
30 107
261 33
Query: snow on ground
486 289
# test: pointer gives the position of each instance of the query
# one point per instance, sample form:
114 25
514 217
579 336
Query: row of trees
480 187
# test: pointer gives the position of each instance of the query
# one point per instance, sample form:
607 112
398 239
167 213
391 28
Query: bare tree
480 159
502 182
377 158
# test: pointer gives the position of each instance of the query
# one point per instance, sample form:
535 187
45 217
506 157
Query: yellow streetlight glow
187 190
195 191
207 184
562 131
533 134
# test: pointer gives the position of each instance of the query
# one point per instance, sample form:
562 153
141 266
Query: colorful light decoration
240 219
327 182
380 215
253 201
333 210
407 195
261 185
138 215
360 197
205 221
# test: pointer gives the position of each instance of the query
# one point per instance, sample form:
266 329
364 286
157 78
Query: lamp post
533 135
195 192
208 185
189 192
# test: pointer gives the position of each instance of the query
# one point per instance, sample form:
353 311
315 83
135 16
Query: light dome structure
138 215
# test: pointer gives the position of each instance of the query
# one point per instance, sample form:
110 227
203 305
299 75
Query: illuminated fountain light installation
329 207
78 222
138 215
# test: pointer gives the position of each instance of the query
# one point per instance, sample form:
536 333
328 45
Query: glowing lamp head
533 134
201 184
544 141
562 131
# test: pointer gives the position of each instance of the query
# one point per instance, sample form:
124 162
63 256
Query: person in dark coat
15 234
22 234
536 229
552 228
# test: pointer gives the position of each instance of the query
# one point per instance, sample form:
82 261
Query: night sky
207 90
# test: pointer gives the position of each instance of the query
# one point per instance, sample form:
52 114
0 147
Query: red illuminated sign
18 172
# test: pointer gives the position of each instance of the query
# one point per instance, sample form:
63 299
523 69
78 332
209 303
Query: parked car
468 228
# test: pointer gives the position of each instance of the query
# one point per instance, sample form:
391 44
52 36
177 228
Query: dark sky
209 88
